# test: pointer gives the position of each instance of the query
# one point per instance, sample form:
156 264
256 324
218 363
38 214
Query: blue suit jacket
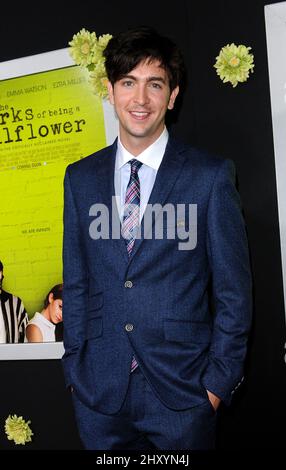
180 346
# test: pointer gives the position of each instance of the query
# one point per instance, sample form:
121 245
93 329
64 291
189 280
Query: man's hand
215 401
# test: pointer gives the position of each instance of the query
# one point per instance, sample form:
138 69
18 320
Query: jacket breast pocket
186 331
94 328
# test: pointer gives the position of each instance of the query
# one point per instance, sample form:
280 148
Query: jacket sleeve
74 280
228 255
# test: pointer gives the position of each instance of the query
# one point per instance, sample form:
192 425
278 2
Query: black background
234 122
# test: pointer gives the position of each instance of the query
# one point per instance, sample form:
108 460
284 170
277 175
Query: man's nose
141 95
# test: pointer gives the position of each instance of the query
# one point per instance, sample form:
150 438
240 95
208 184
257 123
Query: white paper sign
275 19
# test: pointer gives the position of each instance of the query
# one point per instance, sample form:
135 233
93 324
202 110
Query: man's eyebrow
149 79
156 79
131 77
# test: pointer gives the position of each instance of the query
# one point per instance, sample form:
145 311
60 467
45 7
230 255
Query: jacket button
129 327
128 284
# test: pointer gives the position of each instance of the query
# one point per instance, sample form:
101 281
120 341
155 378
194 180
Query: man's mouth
139 115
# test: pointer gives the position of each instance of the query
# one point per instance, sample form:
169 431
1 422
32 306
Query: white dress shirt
47 328
151 158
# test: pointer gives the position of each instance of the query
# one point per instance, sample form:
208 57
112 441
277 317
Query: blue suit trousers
145 423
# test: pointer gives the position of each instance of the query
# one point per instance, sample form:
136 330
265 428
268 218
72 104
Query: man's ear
173 97
110 92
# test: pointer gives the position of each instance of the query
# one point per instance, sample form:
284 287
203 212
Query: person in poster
13 315
44 325
146 359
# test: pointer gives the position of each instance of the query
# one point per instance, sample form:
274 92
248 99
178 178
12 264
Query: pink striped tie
131 217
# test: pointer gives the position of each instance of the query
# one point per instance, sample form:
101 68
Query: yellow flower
98 80
99 47
18 430
87 51
103 41
234 63
82 47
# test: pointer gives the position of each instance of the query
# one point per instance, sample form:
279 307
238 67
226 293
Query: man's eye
156 85
127 83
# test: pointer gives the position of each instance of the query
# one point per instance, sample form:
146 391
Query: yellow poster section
47 121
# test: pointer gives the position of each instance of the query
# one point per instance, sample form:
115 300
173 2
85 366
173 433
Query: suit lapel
105 185
166 178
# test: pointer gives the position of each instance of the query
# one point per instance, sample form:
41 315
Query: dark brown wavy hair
57 292
127 49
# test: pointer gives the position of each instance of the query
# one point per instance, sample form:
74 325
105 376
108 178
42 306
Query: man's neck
136 145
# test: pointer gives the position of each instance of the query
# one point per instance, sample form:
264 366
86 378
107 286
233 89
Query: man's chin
142 133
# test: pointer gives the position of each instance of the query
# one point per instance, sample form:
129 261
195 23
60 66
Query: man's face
141 99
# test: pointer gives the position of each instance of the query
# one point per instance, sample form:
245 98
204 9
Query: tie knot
135 165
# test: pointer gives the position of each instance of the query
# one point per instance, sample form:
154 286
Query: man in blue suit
147 360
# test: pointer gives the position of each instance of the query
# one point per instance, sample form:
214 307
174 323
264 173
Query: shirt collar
151 156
